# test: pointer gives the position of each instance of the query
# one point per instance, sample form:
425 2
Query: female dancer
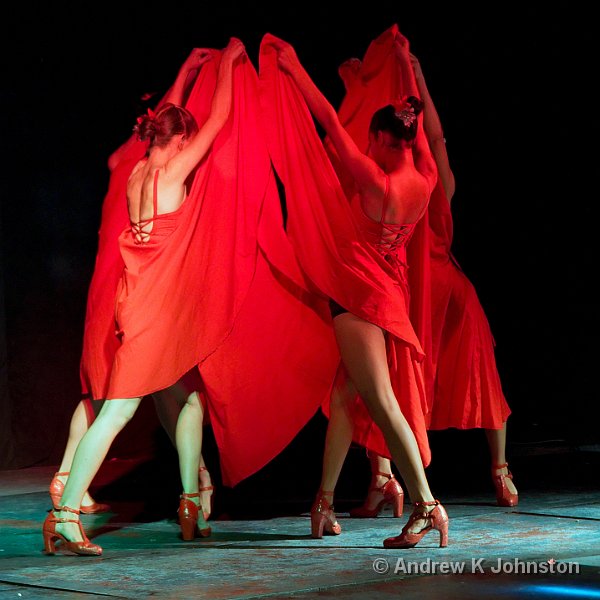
393 184
156 194
466 391
99 328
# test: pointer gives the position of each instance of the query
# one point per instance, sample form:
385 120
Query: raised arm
366 173
187 72
424 162
181 165
434 131
175 95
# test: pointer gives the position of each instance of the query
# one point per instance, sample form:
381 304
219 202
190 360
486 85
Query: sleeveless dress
148 356
462 382
389 240
347 258
99 340
217 289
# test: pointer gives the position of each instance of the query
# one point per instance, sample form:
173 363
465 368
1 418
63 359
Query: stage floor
276 558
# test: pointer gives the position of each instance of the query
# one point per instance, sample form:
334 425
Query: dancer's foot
64 526
191 519
88 504
322 516
384 490
426 517
206 489
506 492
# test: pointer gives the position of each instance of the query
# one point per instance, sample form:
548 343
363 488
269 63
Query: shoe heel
444 537
49 543
398 505
317 524
55 501
188 529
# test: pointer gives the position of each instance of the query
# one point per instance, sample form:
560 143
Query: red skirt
468 392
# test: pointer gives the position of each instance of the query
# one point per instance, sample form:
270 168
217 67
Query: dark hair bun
416 104
146 127
399 120
168 121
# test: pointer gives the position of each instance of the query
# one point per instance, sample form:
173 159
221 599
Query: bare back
405 200
151 192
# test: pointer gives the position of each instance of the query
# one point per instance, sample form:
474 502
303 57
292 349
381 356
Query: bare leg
77 429
497 442
188 438
79 426
206 487
91 451
339 432
379 464
168 405
362 347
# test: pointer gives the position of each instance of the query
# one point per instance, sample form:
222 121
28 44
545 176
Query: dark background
515 90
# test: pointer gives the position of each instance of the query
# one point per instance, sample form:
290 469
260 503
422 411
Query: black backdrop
514 88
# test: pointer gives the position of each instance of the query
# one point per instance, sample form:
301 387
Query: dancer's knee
117 413
382 405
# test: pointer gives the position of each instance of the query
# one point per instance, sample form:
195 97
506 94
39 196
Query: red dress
463 386
339 252
406 374
99 340
467 391
216 287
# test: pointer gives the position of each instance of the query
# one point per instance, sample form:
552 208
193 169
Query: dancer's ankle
192 496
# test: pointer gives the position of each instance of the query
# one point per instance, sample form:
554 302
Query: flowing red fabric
215 288
468 392
331 247
378 82
463 385
278 363
99 340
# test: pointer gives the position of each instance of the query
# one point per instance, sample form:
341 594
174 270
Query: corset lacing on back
138 228
393 237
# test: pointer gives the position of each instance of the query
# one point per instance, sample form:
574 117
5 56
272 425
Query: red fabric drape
99 340
463 386
214 288
330 247
377 83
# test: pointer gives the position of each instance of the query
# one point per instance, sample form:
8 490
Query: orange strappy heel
322 517
188 518
438 520
83 548
56 491
392 494
503 495
206 488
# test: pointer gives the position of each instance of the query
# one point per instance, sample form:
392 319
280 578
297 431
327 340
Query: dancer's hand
234 49
197 58
349 70
400 41
416 65
287 58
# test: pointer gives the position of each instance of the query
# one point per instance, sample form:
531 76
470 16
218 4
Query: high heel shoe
322 517
206 488
438 520
503 496
83 548
56 491
188 518
392 494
